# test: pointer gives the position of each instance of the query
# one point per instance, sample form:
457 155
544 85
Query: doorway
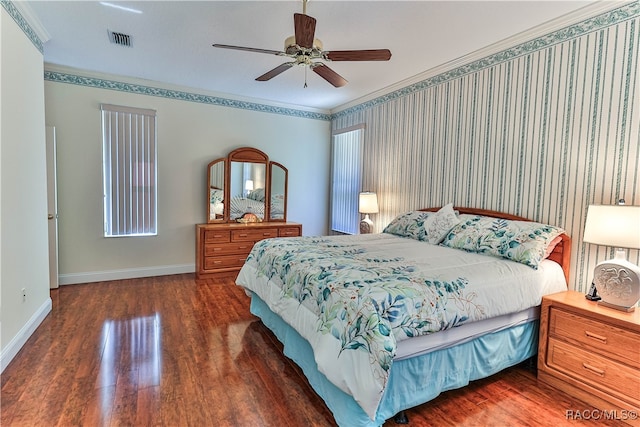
52 206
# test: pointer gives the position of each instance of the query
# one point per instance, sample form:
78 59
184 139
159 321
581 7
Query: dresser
593 353
223 248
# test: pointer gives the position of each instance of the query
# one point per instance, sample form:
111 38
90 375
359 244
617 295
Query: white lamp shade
613 225
368 203
248 185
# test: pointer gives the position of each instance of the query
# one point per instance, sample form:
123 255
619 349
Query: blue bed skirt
412 381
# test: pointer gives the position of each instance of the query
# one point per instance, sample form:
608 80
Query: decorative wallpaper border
589 25
601 21
23 24
179 95
147 90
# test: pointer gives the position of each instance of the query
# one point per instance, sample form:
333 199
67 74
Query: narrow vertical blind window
129 154
346 173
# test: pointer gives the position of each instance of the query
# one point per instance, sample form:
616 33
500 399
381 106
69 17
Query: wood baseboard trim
18 341
128 273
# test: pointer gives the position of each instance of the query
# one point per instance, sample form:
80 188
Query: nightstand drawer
212 249
253 235
611 341
225 261
607 375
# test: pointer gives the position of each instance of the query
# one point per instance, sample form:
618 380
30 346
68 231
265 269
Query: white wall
23 189
190 135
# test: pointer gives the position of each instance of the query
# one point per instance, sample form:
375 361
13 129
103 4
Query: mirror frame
225 184
286 184
246 155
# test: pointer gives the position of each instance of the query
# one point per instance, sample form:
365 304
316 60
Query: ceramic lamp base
618 284
366 225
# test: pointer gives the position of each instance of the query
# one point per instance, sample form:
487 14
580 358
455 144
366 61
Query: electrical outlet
24 294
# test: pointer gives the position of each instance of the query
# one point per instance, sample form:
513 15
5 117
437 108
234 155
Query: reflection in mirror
216 190
247 188
278 206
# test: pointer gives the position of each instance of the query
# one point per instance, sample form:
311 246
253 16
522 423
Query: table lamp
368 203
248 187
617 280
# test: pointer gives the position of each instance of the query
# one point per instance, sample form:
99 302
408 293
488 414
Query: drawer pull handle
593 369
596 337
243 235
266 233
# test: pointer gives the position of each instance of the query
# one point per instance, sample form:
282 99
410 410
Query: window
346 173
129 171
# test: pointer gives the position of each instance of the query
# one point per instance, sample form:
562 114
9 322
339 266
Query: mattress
552 276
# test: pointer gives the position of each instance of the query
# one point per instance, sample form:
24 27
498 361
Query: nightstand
591 352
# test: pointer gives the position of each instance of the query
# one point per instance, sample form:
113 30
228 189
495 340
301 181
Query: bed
253 202
383 322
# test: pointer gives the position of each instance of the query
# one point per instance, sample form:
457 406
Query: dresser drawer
288 232
213 249
224 261
614 342
217 236
599 372
253 235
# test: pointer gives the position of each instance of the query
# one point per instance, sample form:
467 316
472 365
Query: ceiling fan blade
279 69
249 49
305 27
329 75
358 55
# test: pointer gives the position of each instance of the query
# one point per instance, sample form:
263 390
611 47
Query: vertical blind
346 173
129 154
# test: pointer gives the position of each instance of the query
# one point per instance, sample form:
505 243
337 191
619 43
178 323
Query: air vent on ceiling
119 38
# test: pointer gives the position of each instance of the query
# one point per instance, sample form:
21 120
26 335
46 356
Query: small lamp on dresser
617 280
367 203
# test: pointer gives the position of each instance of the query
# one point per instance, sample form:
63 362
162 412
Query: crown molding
26 17
560 29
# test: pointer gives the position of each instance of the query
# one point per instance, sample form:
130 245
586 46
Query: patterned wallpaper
541 130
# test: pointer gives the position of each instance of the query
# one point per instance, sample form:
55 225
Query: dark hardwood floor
175 351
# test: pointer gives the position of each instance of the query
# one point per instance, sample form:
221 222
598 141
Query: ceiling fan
307 51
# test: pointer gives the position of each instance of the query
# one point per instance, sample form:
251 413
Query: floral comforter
355 297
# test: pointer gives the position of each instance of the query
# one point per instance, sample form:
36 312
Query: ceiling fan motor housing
292 48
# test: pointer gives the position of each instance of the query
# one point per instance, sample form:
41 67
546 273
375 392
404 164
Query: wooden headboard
561 253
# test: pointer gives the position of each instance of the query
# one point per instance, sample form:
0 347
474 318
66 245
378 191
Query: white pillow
439 225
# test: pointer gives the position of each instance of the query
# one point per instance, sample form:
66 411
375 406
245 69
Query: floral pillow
257 194
521 241
438 225
216 195
410 224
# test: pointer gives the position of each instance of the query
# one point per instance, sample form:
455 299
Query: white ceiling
171 41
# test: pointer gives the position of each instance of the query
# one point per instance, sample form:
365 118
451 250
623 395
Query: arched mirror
278 196
216 185
245 182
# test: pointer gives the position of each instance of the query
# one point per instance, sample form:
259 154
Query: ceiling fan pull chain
305 77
